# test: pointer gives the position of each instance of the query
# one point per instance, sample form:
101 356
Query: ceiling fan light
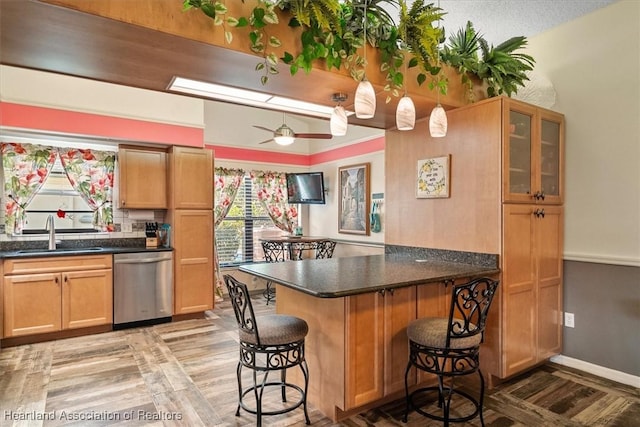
438 122
365 100
283 140
339 121
405 114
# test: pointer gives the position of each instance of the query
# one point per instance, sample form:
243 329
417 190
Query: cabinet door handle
123 203
391 291
56 280
542 197
381 292
542 213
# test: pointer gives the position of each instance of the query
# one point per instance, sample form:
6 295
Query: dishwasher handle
141 260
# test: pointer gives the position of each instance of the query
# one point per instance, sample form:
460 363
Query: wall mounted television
305 188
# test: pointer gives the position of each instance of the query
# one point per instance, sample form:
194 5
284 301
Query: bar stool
325 248
273 342
273 252
450 348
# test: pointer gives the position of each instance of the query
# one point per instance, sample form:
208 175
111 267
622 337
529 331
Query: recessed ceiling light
249 97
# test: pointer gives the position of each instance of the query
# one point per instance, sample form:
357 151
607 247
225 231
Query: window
56 195
238 235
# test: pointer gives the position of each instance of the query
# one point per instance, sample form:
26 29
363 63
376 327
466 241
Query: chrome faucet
52 233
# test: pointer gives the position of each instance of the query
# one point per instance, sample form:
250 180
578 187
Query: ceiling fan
284 135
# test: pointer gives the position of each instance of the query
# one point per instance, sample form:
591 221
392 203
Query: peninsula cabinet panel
142 178
377 352
193 260
190 178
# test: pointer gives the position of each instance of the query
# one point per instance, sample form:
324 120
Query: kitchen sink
58 250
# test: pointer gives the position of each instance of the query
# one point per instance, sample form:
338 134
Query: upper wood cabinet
190 178
533 154
142 178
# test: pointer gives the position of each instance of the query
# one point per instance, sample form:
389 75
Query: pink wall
73 122
64 121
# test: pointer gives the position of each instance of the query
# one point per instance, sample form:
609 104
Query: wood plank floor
184 374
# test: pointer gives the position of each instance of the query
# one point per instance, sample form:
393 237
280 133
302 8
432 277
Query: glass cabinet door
519 153
550 163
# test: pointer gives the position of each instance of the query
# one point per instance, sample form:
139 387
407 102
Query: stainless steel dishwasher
142 288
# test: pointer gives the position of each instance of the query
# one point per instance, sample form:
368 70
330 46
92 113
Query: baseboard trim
601 371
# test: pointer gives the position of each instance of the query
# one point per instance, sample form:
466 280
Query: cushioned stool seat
450 347
433 332
277 329
268 343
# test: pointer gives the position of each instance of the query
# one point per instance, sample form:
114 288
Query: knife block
152 242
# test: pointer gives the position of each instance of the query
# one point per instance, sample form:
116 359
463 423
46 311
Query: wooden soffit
145 43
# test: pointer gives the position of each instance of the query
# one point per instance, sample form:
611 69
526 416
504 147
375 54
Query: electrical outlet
127 227
569 320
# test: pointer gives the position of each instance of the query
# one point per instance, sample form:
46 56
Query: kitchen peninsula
358 309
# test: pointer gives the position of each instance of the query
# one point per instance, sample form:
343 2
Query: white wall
594 64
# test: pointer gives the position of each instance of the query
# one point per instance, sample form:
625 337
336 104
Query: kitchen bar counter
358 309
340 277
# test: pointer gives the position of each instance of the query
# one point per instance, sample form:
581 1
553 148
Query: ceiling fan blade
266 140
264 128
314 135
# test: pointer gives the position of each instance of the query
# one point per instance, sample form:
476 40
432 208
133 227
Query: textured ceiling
499 20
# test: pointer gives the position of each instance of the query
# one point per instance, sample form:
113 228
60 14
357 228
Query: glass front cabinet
533 154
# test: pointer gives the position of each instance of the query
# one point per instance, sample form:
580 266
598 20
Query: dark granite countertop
71 251
344 276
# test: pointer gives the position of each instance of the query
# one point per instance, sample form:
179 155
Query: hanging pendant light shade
438 122
365 101
405 114
338 121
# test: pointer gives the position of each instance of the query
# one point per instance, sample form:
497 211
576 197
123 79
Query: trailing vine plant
332 32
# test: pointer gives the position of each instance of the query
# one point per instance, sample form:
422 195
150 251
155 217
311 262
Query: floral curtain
271 189
91 175
226 185
26 168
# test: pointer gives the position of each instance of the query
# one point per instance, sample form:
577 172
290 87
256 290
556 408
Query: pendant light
338 121
438 118
405 114
365 99
405 111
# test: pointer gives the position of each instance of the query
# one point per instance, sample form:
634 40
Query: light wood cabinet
533 154
377 351
191 216
190 178
503 152
532 285
58 293
142 173
193 260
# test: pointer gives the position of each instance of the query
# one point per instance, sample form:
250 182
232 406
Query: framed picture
433 178
353 204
